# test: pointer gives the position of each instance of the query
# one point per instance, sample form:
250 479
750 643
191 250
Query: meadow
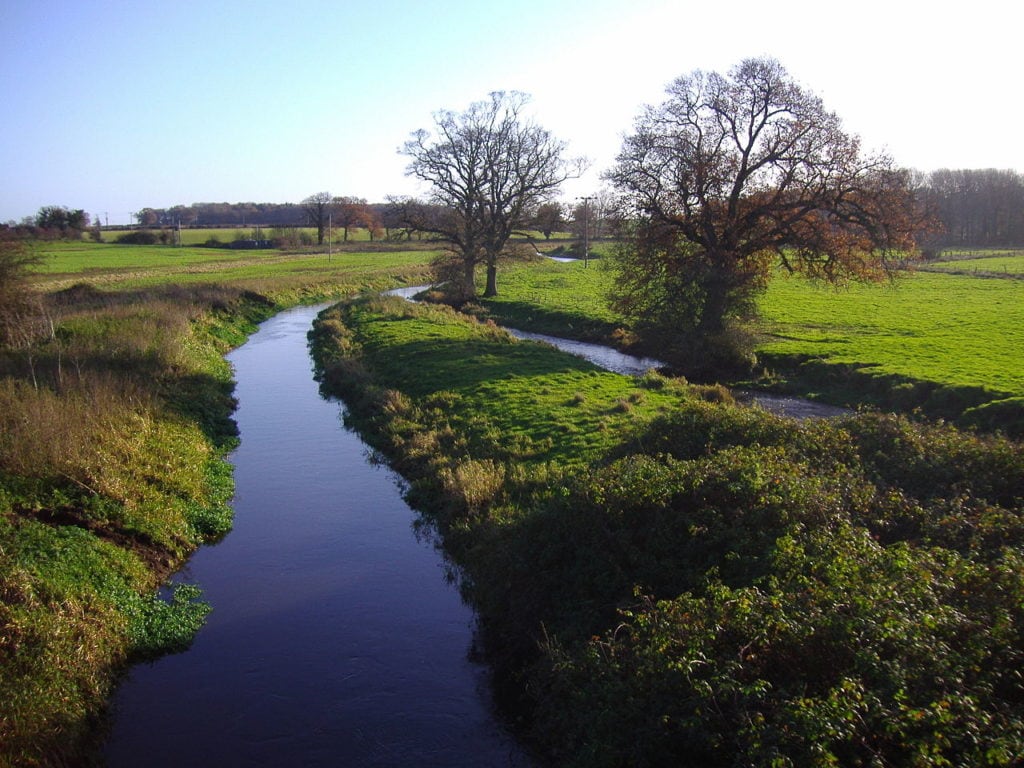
948 329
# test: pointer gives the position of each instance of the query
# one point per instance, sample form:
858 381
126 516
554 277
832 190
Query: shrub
137 237
474 484
1006 416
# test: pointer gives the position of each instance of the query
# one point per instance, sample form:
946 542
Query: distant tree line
977 208
974 207
224 215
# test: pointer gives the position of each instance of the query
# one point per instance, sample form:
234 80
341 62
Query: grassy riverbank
114 427
663 577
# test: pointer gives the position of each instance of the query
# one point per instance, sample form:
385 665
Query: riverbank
114 425
663 579
112 472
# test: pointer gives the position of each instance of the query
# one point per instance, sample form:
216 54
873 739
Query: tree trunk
469 280
716 305
492 281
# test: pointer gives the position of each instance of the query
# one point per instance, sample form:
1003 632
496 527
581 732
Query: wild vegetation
663 577
115 418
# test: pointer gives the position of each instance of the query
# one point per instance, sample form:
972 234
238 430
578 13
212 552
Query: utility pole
330 234
586 228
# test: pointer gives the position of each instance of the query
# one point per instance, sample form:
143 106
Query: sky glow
113 106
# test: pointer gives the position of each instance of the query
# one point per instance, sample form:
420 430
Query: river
335 638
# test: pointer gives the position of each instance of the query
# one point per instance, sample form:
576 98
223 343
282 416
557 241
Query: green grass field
541 404
121 267
994 262
947 329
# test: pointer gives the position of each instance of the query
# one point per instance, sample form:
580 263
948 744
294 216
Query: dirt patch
160 561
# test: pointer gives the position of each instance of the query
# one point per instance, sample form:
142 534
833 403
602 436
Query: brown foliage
735 173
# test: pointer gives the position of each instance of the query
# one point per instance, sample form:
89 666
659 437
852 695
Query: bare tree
732 175
983 207
318 209
488 167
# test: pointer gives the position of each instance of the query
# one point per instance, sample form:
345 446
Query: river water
335 638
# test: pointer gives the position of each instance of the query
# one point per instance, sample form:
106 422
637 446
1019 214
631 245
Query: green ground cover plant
115 421
702 584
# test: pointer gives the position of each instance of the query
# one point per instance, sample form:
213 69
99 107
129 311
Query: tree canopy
488 168
734 174
66 221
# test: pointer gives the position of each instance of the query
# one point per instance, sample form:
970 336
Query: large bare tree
733 175
488 168
318 209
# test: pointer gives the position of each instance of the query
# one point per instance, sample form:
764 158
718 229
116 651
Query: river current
335 638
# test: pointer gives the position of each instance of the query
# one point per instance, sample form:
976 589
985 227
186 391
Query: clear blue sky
111 106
